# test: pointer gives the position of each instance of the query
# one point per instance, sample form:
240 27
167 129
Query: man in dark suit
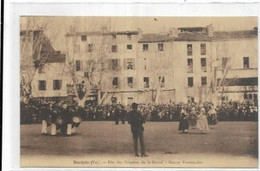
136 120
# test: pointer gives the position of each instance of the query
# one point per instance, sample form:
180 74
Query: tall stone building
183 65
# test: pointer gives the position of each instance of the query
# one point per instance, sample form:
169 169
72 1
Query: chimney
210 30
173 32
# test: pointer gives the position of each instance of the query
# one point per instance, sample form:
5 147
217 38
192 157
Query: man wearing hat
136 120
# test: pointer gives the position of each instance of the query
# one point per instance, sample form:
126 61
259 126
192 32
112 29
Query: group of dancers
197 117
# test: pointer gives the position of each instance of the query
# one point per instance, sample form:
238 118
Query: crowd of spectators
31 112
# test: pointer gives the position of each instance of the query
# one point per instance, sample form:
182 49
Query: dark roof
148 38
93 33
191 27
193 37
56 58
235 34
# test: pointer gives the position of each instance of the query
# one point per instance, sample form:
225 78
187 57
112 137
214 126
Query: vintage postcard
137 92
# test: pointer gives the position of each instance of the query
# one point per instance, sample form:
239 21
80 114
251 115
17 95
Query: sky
57 27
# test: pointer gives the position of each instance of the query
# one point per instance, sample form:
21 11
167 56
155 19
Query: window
41 69
145 47
56 84
255 96
162 81
90 47
250 96
203 81
130 82
129 64
146 82
42 85
115 82
83 38
246 62
224 62
190 81
190 65
129 36
78 67
114 48
203 63
129 47
203 48
189 49
160 46
115 64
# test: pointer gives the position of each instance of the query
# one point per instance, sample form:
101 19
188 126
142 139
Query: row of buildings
187 64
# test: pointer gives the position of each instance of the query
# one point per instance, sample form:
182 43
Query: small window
246 62
190 81
145 47
129 64
190 65
90 47
130 82
114 48
162 81
41 69
160 46
56 84
146 82
129 47
189 49
83 38
42 85
115 82
115 64
78 67
203 63
203 81
203 48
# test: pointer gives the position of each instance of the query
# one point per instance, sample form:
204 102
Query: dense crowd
36 109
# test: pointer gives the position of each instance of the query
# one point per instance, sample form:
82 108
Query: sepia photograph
138 92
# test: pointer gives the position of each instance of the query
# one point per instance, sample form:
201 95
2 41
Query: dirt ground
104 144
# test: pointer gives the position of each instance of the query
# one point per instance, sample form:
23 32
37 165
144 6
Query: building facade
188 64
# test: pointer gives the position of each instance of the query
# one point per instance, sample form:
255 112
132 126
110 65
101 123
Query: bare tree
218 64
89 77
32 54
160 67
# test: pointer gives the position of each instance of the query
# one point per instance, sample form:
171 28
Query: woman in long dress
202 122
212 117
183 125
193 117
